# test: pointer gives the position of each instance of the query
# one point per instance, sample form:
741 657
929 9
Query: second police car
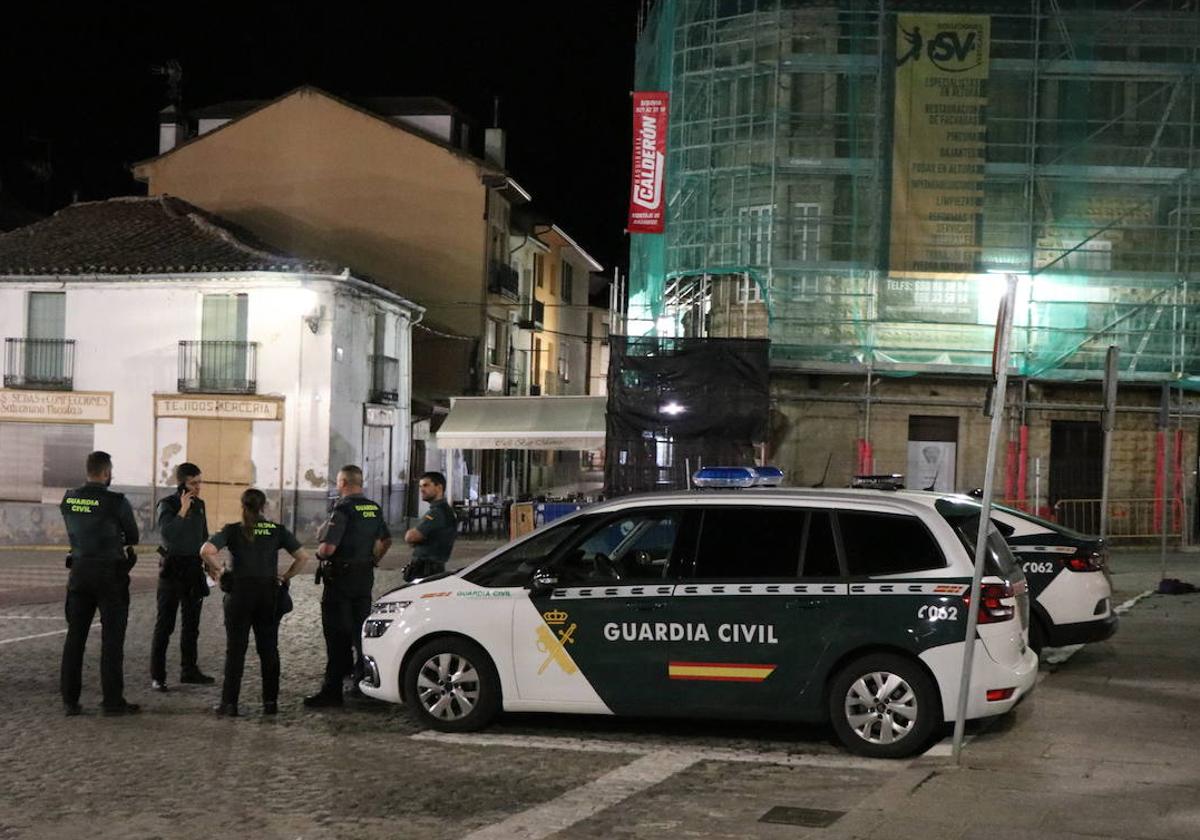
807 605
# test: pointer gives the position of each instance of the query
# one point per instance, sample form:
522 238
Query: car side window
631 547
820 558
750 543
887 544
516 566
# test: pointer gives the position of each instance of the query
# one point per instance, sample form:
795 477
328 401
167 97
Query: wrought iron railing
385 380
218 367
1127 518
47 363
504 280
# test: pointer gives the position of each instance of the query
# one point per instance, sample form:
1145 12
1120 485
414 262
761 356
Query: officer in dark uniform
353 542
433 538
253 589
102 531
181 585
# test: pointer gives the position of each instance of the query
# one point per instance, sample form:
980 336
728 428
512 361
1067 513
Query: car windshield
515 566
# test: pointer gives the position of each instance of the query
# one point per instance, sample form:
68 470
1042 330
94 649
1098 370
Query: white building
152 330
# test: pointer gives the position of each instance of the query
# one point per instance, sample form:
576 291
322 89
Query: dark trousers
175 594
251 605
342 617
96 585
423 567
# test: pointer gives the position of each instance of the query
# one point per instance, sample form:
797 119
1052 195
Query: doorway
222 450
1076 471
377 466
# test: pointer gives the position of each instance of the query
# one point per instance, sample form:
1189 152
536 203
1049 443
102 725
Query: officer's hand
185 502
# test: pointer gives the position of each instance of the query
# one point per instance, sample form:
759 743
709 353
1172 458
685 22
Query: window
537 362
636 546
516 566
820 557
42 460
568 281
539 270
754 234
564 364
803 232
748 290
750 543
887 544
45 331
495 340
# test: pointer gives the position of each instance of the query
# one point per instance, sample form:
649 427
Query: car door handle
641 605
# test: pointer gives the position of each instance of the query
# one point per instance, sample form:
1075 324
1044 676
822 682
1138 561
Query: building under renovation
853 181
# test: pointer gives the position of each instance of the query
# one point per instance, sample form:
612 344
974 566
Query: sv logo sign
950 50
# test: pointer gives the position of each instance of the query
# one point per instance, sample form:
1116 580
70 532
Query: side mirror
543 580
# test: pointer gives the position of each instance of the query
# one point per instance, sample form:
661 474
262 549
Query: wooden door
221 449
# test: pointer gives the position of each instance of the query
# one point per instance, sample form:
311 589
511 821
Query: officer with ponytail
254 592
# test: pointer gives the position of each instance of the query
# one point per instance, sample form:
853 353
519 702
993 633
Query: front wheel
452 686
884 706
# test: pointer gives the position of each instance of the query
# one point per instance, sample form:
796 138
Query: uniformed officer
253 588
102 531
181 585
433 538
353 542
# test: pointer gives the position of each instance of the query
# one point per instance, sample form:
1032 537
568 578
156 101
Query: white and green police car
1070 590
846 606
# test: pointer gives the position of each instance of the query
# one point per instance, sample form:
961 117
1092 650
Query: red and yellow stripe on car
719 671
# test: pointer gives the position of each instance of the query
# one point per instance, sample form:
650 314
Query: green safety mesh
779 189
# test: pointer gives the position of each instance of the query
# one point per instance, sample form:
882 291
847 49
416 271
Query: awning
574 423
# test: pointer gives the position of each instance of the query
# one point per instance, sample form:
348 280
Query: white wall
127 334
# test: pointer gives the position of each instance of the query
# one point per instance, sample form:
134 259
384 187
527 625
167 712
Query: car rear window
887 544
964 519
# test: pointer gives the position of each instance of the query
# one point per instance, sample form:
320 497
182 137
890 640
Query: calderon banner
646 207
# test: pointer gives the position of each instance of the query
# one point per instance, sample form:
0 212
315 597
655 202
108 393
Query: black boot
196 677
324 699
226 709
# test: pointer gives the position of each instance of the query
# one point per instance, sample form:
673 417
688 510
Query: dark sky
79 102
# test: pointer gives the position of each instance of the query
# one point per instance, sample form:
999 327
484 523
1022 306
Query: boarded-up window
42 460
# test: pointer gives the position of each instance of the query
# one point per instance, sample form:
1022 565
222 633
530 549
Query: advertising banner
646 206
939 141
56 406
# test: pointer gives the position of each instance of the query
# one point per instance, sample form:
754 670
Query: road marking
40 635
542 742
1128 605
577 805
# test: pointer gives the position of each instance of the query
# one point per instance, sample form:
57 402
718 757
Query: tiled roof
136 235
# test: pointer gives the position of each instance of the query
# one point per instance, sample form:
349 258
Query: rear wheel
884 706
451 685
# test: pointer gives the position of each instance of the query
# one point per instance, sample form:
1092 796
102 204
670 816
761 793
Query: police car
807 605
1069 586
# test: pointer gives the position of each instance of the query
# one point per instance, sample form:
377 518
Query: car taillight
991 609
995 694
1086 561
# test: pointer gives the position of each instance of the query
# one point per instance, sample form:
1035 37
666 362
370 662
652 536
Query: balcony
385 380
535 315
39 363
218 367
504 280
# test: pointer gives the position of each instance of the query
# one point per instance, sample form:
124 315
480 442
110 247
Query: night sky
80 101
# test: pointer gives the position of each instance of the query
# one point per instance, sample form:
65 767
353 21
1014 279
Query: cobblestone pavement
365 771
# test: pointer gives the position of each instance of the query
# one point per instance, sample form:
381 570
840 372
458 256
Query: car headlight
373 628
389 606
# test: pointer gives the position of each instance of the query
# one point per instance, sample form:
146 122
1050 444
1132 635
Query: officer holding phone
182 588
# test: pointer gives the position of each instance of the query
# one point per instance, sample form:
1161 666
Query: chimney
493 146
172 130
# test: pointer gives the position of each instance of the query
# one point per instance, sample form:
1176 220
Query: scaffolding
780 181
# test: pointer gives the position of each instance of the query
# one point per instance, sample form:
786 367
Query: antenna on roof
173 70
495 112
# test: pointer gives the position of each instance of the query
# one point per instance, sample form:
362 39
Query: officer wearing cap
352 543
181 585
102 532
433 538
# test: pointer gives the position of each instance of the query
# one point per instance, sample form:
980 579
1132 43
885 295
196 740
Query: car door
604 620
756 627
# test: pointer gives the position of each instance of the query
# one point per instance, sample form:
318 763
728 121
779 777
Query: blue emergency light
738 477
